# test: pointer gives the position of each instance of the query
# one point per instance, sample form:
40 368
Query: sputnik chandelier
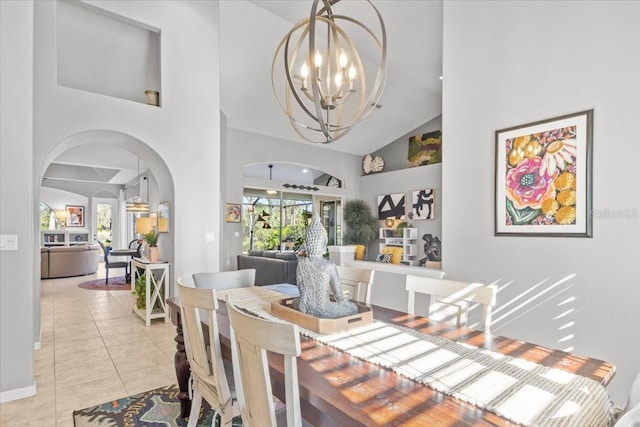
322 81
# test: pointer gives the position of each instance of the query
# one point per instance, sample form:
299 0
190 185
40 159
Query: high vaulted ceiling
250 31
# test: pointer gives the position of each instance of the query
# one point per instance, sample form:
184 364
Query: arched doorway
120 144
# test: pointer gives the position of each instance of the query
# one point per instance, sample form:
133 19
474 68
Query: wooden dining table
337 389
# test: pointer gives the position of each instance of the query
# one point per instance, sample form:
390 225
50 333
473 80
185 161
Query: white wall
16 187
510 63
59 199
184 134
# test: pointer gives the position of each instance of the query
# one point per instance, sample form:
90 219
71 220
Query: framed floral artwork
543 178
233 212
76 216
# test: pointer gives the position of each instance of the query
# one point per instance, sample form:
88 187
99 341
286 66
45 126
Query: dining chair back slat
225 279
208 374
449 299
357 281
136 244
253 337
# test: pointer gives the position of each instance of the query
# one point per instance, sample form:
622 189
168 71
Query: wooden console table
157 289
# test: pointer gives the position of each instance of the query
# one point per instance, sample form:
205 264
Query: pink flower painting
533 163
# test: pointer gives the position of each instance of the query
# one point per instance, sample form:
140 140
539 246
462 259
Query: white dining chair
252 337
450 300
357 281
211 376
225 279
630 417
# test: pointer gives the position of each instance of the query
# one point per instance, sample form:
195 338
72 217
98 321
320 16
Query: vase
153 254
153 97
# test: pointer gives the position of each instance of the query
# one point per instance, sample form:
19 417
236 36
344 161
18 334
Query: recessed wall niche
101 52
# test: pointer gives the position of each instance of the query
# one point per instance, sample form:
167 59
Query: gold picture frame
233 212
163 217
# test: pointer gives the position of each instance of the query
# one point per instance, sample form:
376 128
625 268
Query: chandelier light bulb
304 71
318 59
338 80
342 60
352 72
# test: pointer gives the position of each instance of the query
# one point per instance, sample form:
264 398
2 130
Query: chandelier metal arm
327 105
314 71
290 82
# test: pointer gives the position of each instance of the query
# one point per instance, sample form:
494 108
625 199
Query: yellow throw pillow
359 254
395 251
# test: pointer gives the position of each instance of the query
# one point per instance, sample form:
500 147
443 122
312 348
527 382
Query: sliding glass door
277 220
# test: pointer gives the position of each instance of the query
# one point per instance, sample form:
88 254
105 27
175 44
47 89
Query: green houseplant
140 291
362 227
152 242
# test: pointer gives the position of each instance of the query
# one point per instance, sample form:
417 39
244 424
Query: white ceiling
250 32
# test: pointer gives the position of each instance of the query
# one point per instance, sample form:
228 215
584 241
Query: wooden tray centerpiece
283 310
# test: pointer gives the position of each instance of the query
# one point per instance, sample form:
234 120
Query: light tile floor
93 349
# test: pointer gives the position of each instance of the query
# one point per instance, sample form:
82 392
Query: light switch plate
8 242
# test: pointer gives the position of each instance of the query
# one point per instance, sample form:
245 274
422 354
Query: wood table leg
183 372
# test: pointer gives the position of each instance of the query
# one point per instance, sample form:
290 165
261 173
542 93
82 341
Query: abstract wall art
391 206
425 149
424 204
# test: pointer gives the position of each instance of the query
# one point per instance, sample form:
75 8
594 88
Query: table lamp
144 225
63 217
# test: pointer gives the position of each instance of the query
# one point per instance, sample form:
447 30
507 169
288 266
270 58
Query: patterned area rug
115 284
153 408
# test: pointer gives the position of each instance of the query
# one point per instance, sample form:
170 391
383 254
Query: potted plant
401 226
152 242
362 227
140 291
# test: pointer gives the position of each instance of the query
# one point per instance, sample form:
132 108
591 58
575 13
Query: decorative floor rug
153 408
115 284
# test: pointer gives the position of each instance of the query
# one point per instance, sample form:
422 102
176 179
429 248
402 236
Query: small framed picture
423 204
543 178
163 217
233 212
76 216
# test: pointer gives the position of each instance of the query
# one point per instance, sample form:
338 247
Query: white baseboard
19 393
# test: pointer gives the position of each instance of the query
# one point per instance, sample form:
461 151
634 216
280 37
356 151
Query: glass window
274 221
278 220
48 220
